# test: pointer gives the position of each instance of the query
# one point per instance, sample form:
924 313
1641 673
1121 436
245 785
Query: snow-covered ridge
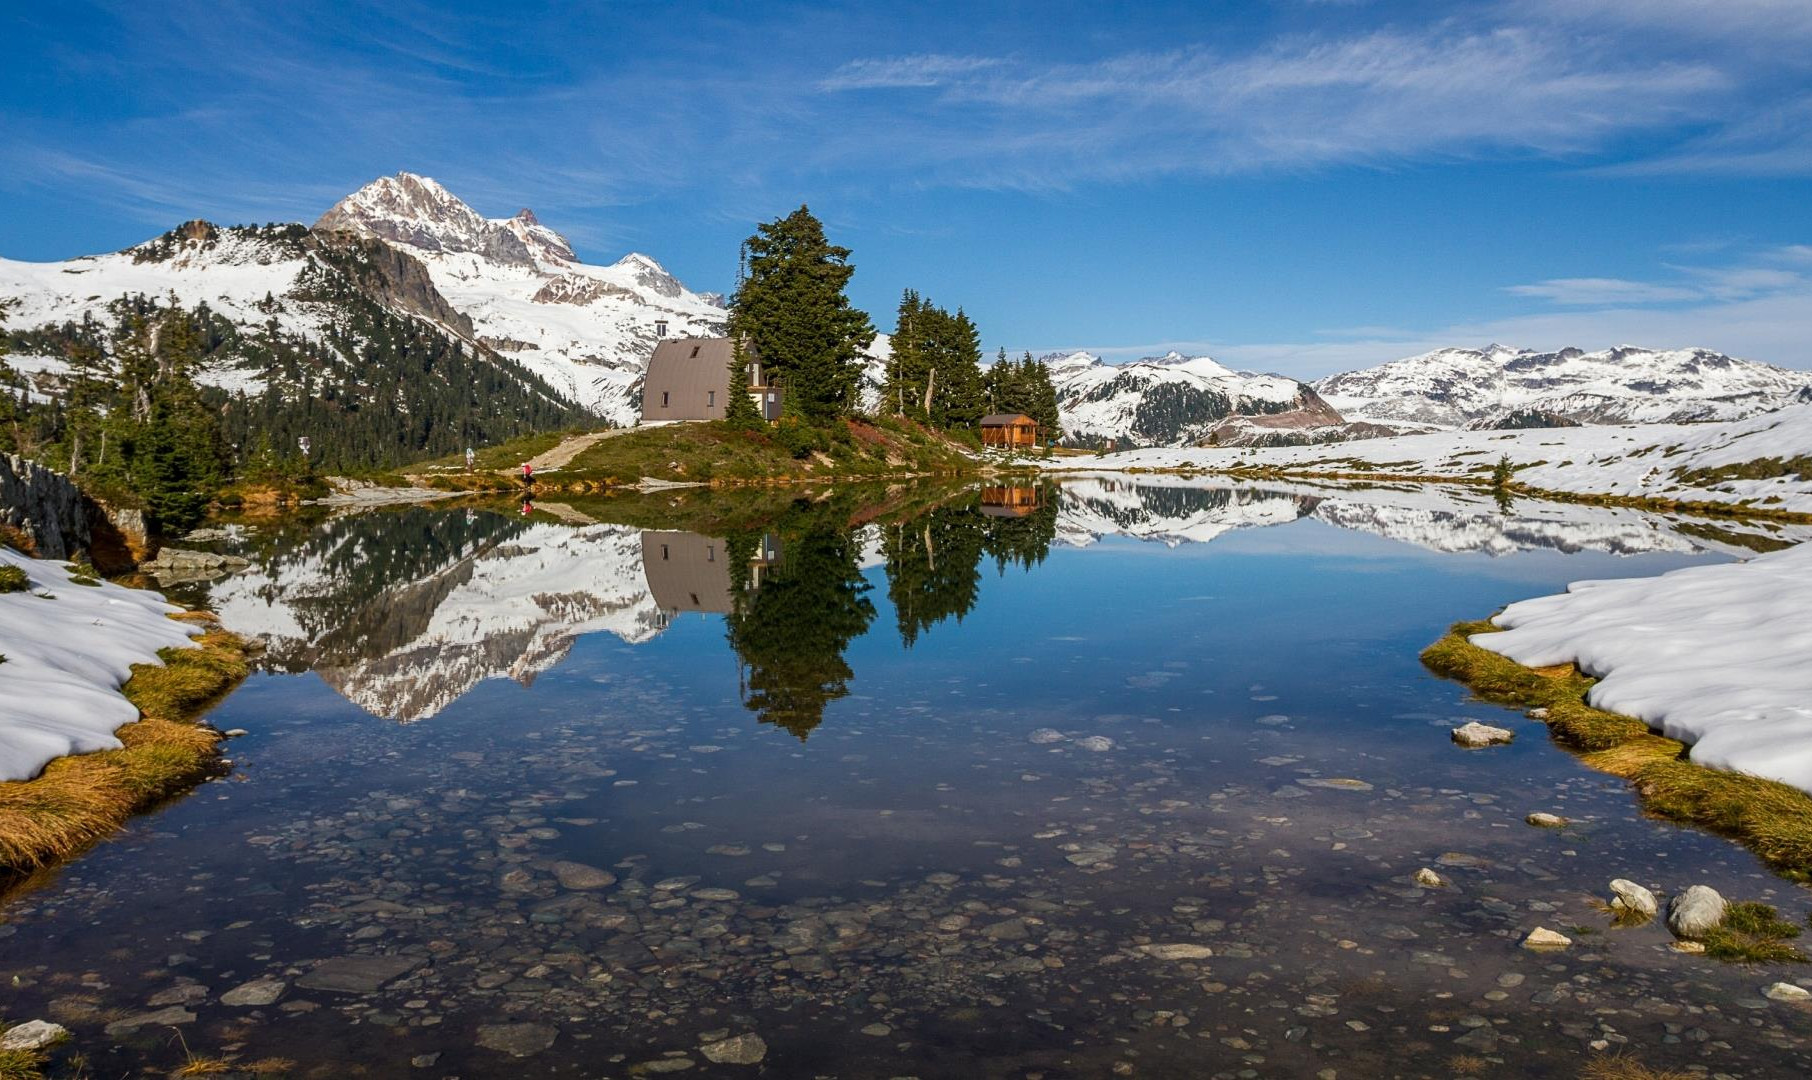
1455 387
68 649
1170 400
1718 657
1745 462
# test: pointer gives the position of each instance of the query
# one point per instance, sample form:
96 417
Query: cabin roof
690 366
1006 419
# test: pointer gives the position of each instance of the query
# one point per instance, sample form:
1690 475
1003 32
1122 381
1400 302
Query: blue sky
1300 185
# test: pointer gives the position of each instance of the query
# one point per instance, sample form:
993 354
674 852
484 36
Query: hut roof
1006 419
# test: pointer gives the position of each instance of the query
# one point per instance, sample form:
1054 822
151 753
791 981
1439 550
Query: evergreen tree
740 409
792 308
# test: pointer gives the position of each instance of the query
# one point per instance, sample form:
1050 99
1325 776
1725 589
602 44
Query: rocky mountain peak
417 212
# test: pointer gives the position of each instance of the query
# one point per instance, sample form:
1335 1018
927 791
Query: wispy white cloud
929 69
1603 291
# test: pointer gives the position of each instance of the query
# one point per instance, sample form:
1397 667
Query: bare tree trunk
930 385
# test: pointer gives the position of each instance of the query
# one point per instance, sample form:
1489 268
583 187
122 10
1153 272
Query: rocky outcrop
393 276
42 512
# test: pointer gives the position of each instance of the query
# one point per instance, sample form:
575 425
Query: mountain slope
333 336
1499 386
1172 400
587 330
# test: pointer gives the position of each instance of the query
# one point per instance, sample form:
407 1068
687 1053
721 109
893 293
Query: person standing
528 474
471 459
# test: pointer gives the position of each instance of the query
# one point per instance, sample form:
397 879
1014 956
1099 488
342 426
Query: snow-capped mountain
587 330
1172 400
1168 510
1501 386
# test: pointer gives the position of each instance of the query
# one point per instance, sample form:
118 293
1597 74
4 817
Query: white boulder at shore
69 648
1718 657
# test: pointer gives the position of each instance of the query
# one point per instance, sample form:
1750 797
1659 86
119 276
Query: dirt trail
564 453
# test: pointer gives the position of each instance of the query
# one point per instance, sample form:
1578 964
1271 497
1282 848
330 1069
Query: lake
1118 776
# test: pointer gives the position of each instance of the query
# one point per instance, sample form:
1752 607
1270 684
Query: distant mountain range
1499 386
404 256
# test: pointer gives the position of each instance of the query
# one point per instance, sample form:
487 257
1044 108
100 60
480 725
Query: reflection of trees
933 561
790 630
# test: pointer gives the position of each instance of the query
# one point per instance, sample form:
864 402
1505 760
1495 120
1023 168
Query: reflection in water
404 612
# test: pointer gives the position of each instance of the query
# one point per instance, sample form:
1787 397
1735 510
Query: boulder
1780 991
1474 735
1696 912
1543 938
38 1034
1428 879
1628 896
1541 819
580 877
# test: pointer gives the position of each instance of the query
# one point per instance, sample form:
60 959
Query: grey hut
689 379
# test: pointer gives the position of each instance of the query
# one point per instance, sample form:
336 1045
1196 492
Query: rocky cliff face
41 511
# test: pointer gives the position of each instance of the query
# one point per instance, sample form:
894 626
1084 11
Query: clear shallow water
804 741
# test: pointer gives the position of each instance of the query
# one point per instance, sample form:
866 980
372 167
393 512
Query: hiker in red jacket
528 474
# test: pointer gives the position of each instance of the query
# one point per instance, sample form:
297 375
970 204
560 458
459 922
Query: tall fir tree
793 309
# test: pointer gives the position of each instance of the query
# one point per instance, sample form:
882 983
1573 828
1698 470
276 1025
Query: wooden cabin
1013 431
689 379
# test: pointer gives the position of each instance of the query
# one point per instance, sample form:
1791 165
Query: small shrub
1754 933
13 579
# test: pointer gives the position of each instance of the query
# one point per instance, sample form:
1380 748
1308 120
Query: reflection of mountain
403 613
1176 510
1168 510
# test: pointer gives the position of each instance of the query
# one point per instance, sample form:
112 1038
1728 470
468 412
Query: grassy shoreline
80 799
1772 819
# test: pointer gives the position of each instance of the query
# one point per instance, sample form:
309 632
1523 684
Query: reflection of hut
686 572
689 572
1009 502
1009 430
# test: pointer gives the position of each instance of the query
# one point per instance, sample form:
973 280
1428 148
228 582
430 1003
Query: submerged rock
1045 735
517 1040
256 992
580 877
1473 735
1629 896
1429 879
1541 819
1180 951
1098 743
1780 991
358 974
1696 912
746 1049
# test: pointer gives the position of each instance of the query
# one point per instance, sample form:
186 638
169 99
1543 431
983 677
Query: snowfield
1718 657
66 659
1655 461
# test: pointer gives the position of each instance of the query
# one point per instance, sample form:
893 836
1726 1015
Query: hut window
710 397
710 552
695 350
663 399
663 552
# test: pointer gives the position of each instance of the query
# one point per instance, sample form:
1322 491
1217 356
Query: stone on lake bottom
1100 744
1780 991
1429 879
517 1040
1541 819
1473 735
1044 736
746 1049
169 1017
358 974
1695 912
1337 783
580 877
257 992
1543 938
1629 896
1179 951
33 1035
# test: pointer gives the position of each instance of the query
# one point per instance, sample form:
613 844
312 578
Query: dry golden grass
1774 820
79 799
1618 1067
